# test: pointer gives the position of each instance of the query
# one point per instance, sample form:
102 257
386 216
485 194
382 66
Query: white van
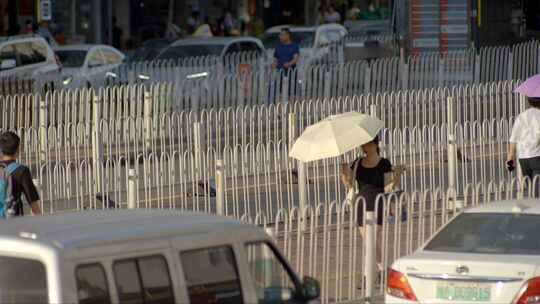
140 256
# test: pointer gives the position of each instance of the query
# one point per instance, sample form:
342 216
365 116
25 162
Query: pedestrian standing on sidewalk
286 57
15 179
287 53
374 175
525 141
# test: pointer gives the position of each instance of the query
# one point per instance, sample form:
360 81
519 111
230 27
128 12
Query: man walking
16 179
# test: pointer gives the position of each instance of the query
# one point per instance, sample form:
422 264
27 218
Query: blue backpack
8 203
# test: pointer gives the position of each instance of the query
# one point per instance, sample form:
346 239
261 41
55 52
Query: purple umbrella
530 88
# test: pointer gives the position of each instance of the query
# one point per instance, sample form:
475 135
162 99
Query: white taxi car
486 254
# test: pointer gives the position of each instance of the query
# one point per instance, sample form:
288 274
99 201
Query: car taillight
529 293
398 286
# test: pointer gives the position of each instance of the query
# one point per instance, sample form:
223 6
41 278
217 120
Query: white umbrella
335 136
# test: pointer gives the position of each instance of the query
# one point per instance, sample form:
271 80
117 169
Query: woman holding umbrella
374 175
525 138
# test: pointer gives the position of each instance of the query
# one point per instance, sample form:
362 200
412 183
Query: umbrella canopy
335 135
530 88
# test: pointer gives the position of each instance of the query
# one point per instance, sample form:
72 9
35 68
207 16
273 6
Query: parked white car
315 43
28 57
213 47
486 254
211 58
143 256
87 64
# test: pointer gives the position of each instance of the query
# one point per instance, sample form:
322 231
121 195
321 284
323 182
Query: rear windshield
304 39
22 281
491 233
187 51
71 59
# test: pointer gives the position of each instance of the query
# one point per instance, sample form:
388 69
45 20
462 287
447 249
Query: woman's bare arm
392 179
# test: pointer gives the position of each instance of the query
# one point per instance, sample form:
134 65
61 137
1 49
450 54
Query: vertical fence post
43 115
132 189
373 110
370 257
404 70
367 80
302 185
97 145
39 188
440 76
510 75
292 129
451 145
477 68
147 116
197 146
327 85
285 88
220 188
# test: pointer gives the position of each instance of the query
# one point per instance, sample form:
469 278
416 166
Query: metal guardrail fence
325 241
247 79
258 178
67 111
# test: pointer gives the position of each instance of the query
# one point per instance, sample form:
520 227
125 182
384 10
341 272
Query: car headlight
67 80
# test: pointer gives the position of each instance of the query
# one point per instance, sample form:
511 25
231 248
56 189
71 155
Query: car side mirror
311 289
8 64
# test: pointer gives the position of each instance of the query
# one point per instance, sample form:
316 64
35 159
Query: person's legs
525 167
534 164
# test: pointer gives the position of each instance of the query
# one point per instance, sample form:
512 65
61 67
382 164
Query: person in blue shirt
287 53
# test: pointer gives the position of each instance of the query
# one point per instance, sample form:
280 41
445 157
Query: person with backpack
15 180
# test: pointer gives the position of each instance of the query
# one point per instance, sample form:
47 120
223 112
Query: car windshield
187 51
72 59
491 233
302 38
22 281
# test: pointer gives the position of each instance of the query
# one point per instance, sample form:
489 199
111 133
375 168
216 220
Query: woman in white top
525 139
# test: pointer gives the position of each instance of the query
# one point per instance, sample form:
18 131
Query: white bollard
220 188
370 257
132 189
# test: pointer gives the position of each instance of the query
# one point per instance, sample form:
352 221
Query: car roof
292 28
23 38
523 206
94 228
213 40
80 47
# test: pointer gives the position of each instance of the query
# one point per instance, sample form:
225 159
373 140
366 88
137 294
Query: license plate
463 292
